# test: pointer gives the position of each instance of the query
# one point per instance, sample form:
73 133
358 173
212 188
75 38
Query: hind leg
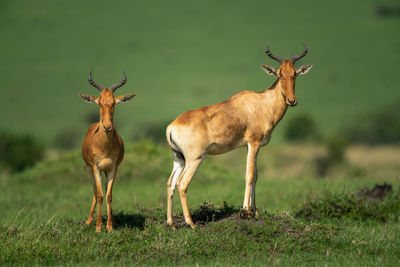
179 164
183 184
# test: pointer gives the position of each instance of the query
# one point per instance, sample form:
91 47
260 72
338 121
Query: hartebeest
245 119
103 148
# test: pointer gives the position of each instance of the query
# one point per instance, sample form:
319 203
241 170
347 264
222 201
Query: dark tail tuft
175 148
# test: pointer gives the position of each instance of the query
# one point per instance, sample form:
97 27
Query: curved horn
279 59
297 57
93 83
118 85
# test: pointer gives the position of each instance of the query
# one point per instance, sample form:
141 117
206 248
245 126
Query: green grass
270 238
362 206
44 209
181 56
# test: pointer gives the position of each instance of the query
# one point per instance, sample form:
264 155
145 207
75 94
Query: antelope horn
279 59
118 85
297 57
93 83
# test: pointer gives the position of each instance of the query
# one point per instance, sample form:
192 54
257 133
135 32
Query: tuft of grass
19 152
301 127
363 205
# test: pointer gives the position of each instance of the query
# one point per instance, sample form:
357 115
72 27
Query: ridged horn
118 85
93 83
279 59
297 57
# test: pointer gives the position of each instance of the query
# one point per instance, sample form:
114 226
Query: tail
174 146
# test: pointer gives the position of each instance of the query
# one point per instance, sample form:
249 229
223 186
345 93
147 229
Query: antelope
245 119
103 148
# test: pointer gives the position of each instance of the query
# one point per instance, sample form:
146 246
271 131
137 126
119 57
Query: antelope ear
303 69
269 70
123 98
89 98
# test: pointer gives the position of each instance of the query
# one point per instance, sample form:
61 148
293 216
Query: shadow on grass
124 220
203 215
207 213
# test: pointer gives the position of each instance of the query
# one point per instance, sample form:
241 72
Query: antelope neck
105 137
276 100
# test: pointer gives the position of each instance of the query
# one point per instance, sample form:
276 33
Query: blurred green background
180 55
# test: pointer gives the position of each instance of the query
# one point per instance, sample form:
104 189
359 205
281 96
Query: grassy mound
144 238
378 203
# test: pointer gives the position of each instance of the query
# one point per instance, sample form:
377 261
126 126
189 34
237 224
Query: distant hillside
181 55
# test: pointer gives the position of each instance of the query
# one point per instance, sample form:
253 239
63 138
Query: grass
44 209
268 239
380 205
181 56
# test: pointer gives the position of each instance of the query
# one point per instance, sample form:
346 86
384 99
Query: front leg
99 194
92 180
251 176
253 190
110 182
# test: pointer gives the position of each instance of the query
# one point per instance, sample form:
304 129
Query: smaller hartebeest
245 119
103 148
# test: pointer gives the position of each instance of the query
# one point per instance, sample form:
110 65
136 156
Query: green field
44 209
180 55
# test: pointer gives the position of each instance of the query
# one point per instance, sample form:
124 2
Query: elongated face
287 74
106 103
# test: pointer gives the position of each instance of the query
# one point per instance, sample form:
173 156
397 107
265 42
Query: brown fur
103 151
245 119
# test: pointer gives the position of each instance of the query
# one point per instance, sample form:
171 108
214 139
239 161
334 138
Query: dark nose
107 128
292 102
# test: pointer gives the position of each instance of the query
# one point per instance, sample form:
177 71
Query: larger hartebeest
103 148
245 119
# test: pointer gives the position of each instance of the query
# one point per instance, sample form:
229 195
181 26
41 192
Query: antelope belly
105 164
216 149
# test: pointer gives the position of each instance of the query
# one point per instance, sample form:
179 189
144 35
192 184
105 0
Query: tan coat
245 119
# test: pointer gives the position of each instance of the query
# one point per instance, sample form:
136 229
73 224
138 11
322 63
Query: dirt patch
125 220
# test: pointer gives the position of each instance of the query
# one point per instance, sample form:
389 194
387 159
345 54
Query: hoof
247 214
171 224
191 225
